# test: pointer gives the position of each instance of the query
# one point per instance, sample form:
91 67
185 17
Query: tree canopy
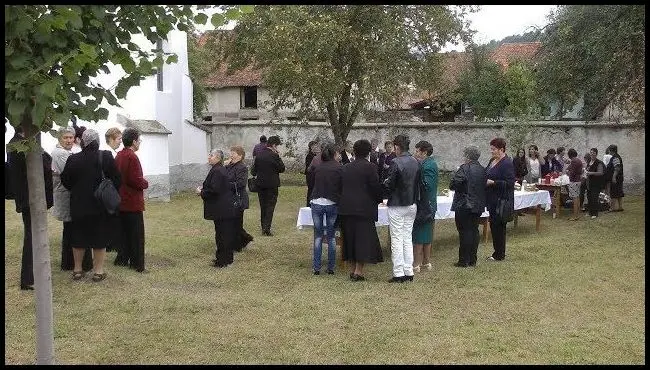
337 59
53 51
598 51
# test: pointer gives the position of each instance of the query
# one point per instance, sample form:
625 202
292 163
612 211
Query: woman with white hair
469 203
61 209
81 175
219 205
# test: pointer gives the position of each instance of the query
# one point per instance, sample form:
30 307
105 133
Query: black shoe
352 275
396 279
330 272
267 233
458 264
472 264
356 277
316 272
407 278
26 287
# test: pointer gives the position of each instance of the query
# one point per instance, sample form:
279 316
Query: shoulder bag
106 193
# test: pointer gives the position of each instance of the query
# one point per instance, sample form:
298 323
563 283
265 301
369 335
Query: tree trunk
339 128
41 257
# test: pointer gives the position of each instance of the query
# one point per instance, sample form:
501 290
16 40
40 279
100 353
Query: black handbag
237 203
252 185
505 209
106 193
424 212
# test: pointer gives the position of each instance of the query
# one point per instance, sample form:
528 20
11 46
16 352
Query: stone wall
449 139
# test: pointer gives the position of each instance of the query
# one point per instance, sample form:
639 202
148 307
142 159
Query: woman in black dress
358 211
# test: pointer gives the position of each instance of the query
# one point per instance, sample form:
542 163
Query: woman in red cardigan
132 202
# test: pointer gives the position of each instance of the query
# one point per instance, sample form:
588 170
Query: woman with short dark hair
131 252
360 195
425 218
500 175
238 173
324 209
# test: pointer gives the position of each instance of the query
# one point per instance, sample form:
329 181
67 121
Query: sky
492 22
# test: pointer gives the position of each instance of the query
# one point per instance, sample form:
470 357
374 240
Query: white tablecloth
523 199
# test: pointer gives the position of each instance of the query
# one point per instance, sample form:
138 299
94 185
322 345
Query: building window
159 75
249 97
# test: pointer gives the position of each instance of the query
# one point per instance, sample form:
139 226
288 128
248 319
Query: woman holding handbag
238 173
500 195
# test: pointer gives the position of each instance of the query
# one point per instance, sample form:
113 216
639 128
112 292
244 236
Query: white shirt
322 202
350 156
606 159
533 163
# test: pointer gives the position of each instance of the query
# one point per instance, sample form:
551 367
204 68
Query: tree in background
483 85
52 52
336 59
597 51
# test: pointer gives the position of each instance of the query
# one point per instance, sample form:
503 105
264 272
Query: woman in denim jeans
324 198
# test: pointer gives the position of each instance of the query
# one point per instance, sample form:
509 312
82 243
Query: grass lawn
572 294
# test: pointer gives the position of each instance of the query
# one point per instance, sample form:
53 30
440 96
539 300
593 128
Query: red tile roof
245 77
508 52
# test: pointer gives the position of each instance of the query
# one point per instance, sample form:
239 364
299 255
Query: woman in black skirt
358 211
82 175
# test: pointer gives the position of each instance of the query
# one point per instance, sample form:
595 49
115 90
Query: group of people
345 187
225 195
589 175
347 195
71 175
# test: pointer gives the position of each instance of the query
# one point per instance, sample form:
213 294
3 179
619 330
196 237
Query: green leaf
217 20
19 62
16 109
38 112
62 118
122 88
88 50
128 65
59 22
102 113
49 88
201 18
96 23
172 59
246 9
112 100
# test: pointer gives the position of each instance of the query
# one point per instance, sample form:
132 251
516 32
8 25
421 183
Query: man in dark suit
268 166
18 180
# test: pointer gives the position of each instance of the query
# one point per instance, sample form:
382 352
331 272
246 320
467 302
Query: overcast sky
492 22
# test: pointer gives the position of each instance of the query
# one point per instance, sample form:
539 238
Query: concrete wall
226 100
448 139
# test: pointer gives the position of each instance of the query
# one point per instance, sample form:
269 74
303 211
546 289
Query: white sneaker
592 217
428 266
416 269
490 258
